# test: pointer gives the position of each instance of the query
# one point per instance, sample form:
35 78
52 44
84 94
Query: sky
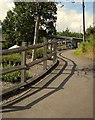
70 15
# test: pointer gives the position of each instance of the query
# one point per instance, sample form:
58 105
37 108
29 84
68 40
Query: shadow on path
55 89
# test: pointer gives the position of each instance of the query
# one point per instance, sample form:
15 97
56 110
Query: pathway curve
66 93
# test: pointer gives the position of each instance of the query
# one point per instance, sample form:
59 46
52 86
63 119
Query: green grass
86 49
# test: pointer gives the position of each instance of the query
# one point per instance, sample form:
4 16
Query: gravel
33 71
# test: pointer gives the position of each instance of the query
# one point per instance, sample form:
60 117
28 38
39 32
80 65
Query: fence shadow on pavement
54 89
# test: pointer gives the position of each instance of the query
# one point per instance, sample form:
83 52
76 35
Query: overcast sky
70 15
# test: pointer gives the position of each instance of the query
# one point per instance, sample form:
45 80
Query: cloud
65 17
72 19
5 5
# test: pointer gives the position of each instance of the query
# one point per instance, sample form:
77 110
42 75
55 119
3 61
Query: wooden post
51 47
23 62
45 55
55 50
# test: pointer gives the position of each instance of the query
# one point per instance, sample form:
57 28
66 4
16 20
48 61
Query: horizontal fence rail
51 44
25 48
26 66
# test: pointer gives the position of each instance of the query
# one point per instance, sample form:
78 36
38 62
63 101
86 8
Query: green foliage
19 23
70 34
12 77
8 30
39 52
59 48
86 48
12 59
90 30
29 52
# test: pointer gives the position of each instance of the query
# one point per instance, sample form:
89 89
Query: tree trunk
35 37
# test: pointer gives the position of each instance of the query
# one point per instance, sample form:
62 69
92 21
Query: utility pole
83 6
94 14
83 9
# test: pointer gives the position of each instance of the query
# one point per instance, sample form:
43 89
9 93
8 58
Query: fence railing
26 66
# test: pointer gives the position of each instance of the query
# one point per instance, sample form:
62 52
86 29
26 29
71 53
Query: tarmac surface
66 93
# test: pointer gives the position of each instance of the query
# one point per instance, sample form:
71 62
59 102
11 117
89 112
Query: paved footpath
66 93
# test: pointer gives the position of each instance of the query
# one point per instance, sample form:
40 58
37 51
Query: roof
65 38
15 46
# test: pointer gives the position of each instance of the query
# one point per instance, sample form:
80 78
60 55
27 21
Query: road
66 93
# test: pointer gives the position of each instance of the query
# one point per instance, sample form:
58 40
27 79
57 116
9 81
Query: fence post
55 50
45 55
23 62
51 47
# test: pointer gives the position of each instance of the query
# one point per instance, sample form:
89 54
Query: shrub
11 59
48 51
13 76
39 52
29 52
84 48
59 48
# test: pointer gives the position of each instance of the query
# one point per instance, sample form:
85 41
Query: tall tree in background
8 29
44 12
68 33
90 30
19 24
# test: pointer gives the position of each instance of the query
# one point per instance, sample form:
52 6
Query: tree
8 30
90 34
19 24
41 17
90 30
36 31
68 33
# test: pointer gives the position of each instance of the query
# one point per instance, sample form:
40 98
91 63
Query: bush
39 52
48 51
86 48
29 52
59 48
11 59
13 76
